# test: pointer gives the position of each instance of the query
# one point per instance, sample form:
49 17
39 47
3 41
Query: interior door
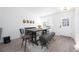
65 24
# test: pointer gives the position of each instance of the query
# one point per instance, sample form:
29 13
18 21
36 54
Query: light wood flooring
59 44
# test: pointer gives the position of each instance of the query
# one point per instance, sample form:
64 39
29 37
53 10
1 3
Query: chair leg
47 47
25 46
22 43
32 42
53 38
41 47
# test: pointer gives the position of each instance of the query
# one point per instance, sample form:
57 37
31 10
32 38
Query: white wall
0 17
54 21
77 28
1 22
11 21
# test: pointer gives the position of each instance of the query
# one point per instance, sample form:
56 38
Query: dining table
34 33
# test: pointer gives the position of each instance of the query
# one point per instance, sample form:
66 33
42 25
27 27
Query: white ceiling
41 11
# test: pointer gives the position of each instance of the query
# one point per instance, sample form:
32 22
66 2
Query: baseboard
16 38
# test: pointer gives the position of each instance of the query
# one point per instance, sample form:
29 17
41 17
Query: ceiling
41 11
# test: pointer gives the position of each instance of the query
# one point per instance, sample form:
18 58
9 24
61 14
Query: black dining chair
25 38
33 35
45 39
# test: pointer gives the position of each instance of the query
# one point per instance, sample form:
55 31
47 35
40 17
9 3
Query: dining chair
25 38
45 39
33 35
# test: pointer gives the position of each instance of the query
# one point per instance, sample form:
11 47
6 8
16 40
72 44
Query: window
65 22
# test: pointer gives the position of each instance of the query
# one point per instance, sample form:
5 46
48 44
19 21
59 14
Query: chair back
22 31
